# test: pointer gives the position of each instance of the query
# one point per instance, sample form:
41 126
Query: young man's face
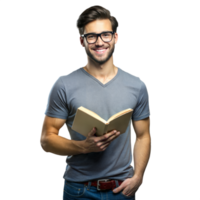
99 26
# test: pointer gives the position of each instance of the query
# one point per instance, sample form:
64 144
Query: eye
90 36
106 34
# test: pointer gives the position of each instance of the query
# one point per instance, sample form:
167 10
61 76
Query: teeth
100 50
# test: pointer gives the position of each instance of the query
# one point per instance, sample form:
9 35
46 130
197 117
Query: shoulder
127 74
133 79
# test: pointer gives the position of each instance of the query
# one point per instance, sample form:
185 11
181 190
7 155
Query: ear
117 37
82 41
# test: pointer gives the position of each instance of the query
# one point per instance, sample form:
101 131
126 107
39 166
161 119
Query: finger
106 144
93 131
108 140
118 133
107 135
112 137
105 147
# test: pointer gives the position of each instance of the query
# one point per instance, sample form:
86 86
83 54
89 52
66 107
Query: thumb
92 132
117 189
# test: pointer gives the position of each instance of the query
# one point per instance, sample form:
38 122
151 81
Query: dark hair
94 13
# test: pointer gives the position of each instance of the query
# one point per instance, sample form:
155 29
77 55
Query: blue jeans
76 191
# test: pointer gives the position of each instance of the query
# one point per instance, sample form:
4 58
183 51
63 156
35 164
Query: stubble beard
100 61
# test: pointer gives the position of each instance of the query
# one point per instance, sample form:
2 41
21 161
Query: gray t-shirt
79 88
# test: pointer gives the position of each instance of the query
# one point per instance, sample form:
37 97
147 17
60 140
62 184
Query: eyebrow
97 33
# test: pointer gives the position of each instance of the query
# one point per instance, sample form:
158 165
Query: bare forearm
62 146
141 154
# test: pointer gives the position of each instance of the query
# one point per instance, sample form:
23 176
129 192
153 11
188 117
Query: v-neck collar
103 85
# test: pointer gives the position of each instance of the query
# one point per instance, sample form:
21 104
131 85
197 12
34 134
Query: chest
105 81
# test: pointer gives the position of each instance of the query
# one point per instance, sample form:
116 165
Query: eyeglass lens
106 37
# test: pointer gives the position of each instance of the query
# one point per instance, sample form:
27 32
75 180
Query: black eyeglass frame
98 35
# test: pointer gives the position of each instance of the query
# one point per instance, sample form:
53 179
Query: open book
86 119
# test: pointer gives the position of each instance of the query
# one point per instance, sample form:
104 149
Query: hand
99 143
129 186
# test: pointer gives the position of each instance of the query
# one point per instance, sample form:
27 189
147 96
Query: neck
101 70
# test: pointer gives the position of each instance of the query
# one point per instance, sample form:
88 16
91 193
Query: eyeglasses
91 38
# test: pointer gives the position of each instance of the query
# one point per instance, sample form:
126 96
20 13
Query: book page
119 114
92 114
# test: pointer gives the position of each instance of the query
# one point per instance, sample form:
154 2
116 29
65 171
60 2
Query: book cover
86 119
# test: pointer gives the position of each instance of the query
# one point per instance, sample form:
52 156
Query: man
105 89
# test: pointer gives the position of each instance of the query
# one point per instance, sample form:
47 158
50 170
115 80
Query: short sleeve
57 102
141 110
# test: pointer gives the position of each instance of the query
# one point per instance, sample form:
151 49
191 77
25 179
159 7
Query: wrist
138 176
84 148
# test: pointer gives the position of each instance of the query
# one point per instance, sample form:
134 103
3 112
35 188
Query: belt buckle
99 184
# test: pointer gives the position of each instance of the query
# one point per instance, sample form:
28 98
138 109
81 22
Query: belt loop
116 183
89 184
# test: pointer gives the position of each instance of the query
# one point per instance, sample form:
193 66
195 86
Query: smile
100 51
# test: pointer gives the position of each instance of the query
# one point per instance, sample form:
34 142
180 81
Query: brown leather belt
104 184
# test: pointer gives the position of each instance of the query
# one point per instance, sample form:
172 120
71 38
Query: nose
99 41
